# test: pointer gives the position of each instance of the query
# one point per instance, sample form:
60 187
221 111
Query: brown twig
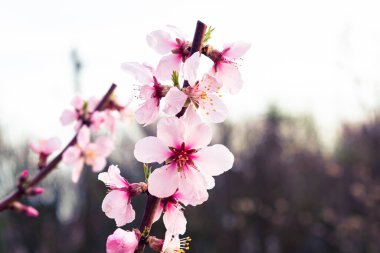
153 202
20 192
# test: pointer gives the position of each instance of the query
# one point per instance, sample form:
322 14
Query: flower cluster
88 118
186 162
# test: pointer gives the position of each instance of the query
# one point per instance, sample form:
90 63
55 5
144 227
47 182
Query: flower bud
31 212
35 191
23 177
137 188
154 243
27 210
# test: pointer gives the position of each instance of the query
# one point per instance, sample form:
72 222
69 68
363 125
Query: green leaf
147 172
146 232
208 35
175 79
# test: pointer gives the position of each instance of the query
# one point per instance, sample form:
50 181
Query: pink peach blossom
82 111
174 49
117 203
45 146
151 92
225 67
85 152
122 241
189 162
204 94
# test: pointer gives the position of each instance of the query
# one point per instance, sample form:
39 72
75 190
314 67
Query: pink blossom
225 67
45 146
189 162
203 94
173 244
82 111
69 116
85 152
108 118
117 203
175 51
151 91
174 218
122 241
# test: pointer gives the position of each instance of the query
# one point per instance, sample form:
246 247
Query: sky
308 57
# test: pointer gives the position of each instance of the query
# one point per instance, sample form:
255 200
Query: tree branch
20 192
153 202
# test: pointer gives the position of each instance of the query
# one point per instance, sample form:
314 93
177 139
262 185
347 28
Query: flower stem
41 175
153 202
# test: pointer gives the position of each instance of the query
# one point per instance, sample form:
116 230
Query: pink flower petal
92 104
122 241
171 131
210 181
230 77
198 136
148 112
83 138
209 84
113 178
161 41
146 92
158 213
163 182
190 68
178 33
151 149
71 155
51 145
174 101
98 163
214 109
35 146
170 243
175 221
68 117
237 49
194 186
104 146
116 205
97 119
167 65
191 116
77 169
77 102
214 160
138 71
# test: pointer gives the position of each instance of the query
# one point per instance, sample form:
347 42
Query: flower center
90 154
181 157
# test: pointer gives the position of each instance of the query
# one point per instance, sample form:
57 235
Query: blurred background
305 129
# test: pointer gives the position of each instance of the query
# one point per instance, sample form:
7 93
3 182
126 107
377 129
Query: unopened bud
27 210
31 212
35 191
137 188
154 243
23 177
